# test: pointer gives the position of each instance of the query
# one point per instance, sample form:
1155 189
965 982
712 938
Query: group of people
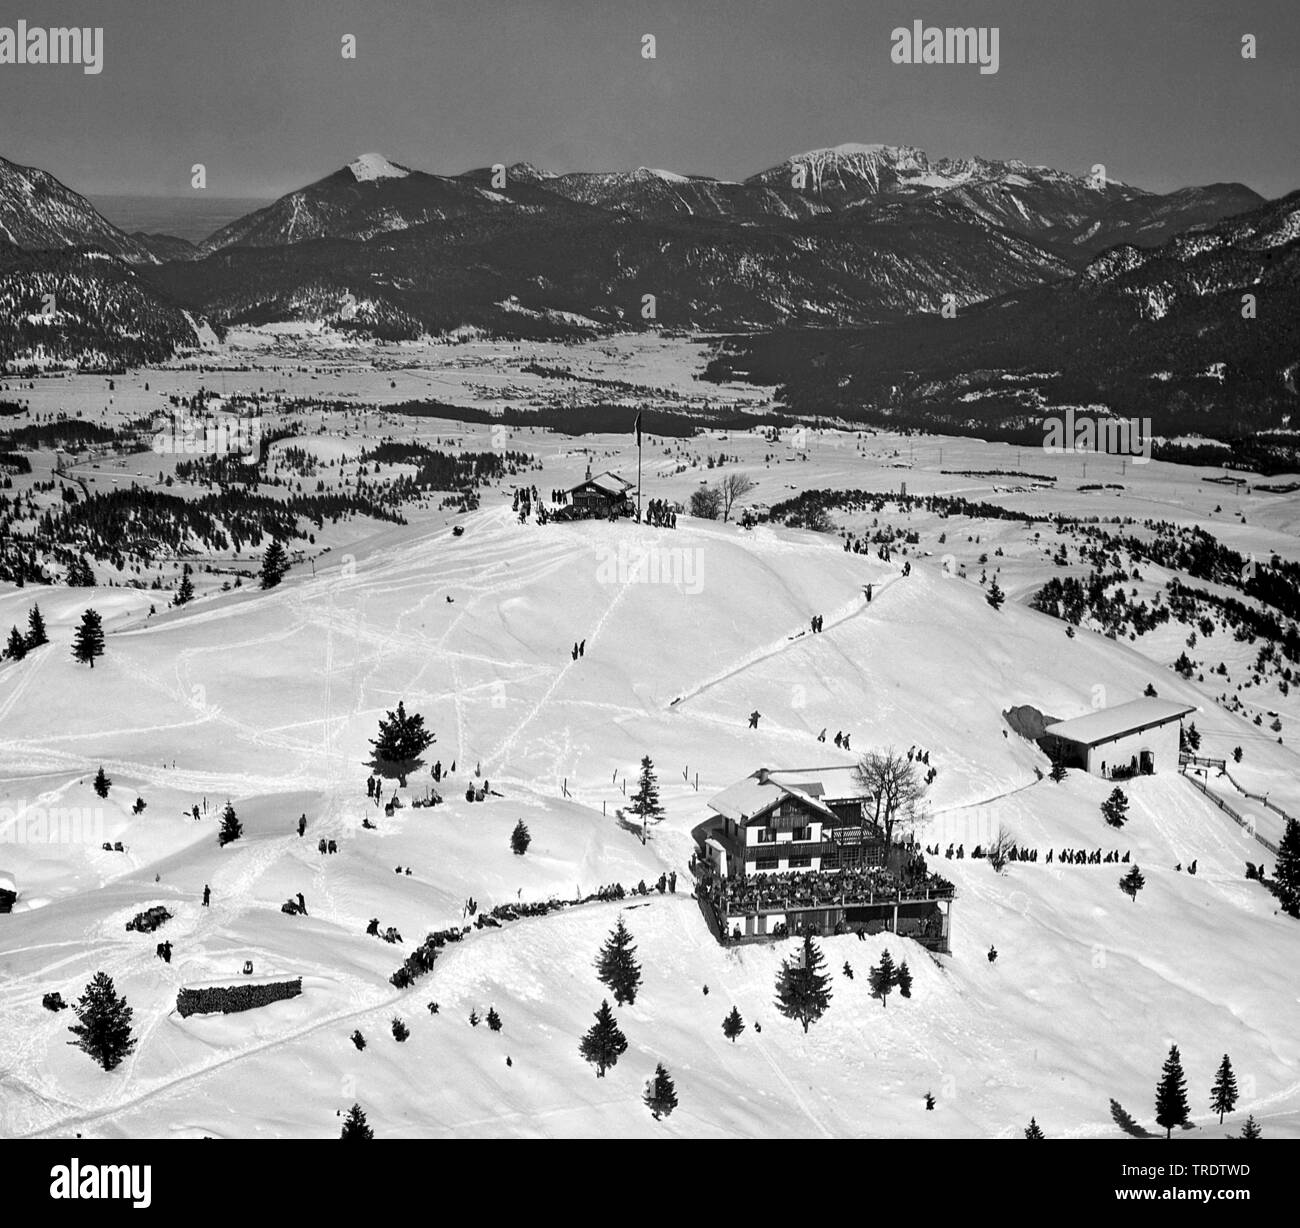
579 649
816 623
841 739
660 514
810 888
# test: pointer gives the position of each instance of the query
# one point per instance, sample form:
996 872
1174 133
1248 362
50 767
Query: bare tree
1000 849
706 502
895 787
734 486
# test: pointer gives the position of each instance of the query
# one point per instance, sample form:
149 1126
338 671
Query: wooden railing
1248 824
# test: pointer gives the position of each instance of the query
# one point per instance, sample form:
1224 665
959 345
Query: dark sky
257 90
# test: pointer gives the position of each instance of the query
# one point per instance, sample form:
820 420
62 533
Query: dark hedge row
227 999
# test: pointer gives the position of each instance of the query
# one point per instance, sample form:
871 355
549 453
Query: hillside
269 698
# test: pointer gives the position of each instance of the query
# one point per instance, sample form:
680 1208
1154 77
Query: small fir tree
1287 873
884 976
36 629
733 1025
355 1125
16 648
995 596
1251 1128
88 639
1223 1095
645 801
1032 1130
400 1030
604 1043
616 965
1058 772
185 593
904 980
1132 883
660 1094
102 783
493 1019
231 828
402 740
520 839
1115 808
274 564
802 987
103 1027
1171 1093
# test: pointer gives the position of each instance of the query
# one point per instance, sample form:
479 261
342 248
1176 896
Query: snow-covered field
269 698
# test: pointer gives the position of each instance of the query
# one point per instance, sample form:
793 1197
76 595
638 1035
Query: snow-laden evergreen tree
604 1043
1251 1128
88 639
231 827
802 988
660 1094
904 980
1287 873
1171 1093
493 1019
274 564
402 740
400 1030
1115 808
185 593
102 783
16 648
616 965
36 628
520 838
995 596
1033 1130
645 801
1132 883
1223 1095
1058 772
103 1027
355 1125
733 1025
884 976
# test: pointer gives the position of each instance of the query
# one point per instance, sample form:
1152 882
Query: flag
636 426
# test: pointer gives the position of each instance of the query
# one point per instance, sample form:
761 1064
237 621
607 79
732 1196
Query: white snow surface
372 166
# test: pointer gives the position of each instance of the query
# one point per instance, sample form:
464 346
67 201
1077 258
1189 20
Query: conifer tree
645 801
604 1042
88 640
904 980
660 1094
36 629
520 838
1287 873
1033 1130
103 1029
733 1025
400 1030
1223 1095
1115 808
802 988
616 965
493 1019
355 1125
402 740
274 564
884 976
1058 772
1132 883
1251 1128
995 596
102 783
231 827
16 648
184 593
1171 1093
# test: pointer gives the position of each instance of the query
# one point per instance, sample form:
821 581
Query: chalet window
803 833
766 835
766 863
799 863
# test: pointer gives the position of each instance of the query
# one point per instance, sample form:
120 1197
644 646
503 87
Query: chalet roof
606 483
758 793
1107 724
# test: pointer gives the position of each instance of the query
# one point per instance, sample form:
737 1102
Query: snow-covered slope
269 699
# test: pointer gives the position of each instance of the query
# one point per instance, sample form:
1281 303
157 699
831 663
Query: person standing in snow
207 895
754 718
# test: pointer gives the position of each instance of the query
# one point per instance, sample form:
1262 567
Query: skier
846 741
821 737
582 649
302 904
302 826
993 953
754 718
207 895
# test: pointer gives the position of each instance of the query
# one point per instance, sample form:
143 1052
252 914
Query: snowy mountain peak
372 166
